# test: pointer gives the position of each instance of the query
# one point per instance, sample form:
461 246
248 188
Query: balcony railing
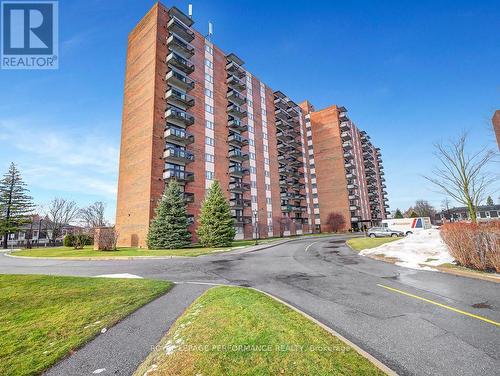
236 139
344 126
235 69
236 111
239 186
238 155
178 136
282 114
181 176
179 45
179 98
238 171
177 155
177 61
343 116
178 79
236 97
237 125
235 83
242 219
347 145
179 117
188 197
345 136
239 203
180 28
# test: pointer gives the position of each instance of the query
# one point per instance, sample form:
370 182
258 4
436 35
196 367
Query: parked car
381 232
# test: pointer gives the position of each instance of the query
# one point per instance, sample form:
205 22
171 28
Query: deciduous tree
336 221
60 212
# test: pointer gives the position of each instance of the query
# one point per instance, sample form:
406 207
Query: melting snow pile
424 247
119 275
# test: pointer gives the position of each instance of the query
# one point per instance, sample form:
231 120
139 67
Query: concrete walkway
123 347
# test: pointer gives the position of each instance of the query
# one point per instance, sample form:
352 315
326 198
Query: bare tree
60 212
460 175
93 215
424 209
336 221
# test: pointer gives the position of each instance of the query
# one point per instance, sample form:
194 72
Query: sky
410 74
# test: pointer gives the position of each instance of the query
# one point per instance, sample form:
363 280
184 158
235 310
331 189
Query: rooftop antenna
190 11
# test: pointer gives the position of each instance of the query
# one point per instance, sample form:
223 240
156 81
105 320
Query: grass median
238 331
358 244
44 318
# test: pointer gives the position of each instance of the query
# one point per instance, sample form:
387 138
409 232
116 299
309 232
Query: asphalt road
365 300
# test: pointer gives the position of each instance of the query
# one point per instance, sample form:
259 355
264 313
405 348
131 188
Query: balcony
179 117
238 171
348 155
350 175
177 155
344 126
237 140
188 197
282 115
345 136
238 155
179 98
343 116
283 125
238 186
235 69
353 197
180 24
348 165
353 207
178 79
236 97
347 145
292 111
236 111
235 83
181 176
239 203
352 186
237 125
280 103
179 45
242 219
178 136
286 208
177 61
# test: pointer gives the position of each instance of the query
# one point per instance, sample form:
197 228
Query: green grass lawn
88 251
358 244
44 318
210 339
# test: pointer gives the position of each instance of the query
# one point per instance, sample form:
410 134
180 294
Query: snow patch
99 370
118 275
421 250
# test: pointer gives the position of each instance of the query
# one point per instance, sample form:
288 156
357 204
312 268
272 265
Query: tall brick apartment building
193 113
496 126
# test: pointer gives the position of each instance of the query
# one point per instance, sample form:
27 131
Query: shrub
69 240
474 245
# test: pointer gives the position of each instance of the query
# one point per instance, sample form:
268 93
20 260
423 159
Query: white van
408 225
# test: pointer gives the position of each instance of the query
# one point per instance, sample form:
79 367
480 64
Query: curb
111 258
381 366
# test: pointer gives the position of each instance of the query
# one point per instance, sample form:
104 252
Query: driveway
416 322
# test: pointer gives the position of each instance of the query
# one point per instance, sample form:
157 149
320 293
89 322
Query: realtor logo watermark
30 35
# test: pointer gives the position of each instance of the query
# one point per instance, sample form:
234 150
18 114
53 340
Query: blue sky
410 73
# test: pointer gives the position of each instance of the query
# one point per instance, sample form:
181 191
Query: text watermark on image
30 34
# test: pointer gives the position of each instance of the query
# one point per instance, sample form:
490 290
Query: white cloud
63 161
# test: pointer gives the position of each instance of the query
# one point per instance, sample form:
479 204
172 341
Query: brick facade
193 113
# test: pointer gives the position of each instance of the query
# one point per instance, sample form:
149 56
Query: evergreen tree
489 201
169 228
398 214
216 225
15 203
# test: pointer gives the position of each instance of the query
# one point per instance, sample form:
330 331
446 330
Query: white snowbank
424 247
122 275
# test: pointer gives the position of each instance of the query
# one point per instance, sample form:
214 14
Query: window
250 116
209 78
266 161
253 170
249 90
314 185
251 129
268 187
209 109
310 147
264 136
209 93
316 216
254 184
313 176
250 103
254 199
266 148
209 124
252 156
269 215
270 228
209 64
315 195
209 175
251 142
209 157
264 113
209 141
316 206
209 49
266 173
312 165
268 200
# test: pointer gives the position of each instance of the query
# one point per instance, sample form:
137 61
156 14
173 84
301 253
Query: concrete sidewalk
123 347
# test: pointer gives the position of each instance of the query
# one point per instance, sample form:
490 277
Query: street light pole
256 224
